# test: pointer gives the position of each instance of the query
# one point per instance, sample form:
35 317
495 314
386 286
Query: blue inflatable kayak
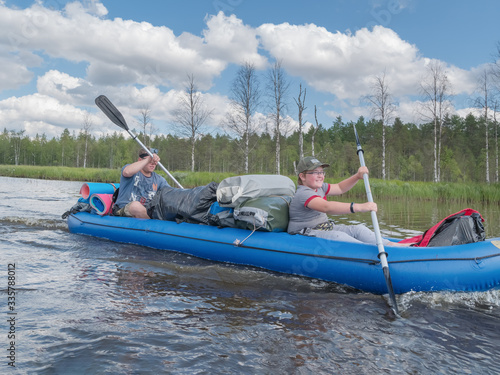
469 267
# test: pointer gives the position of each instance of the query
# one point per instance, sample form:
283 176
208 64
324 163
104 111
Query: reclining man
138 185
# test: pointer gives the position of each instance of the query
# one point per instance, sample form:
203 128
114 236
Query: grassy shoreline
473 192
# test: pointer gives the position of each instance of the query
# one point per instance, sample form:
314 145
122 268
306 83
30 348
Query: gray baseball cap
310 163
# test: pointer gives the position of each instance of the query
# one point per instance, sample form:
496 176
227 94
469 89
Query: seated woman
309 207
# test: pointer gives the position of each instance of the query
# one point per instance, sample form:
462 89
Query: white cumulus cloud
75 53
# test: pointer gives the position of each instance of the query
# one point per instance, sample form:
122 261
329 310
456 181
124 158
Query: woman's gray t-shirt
300 215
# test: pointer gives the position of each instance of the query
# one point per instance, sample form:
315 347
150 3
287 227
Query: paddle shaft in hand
381 251
116 117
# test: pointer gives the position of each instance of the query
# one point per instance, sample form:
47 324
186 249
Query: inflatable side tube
90 188
102 203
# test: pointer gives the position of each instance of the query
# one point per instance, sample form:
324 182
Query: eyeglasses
317 173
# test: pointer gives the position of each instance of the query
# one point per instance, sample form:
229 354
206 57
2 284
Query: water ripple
87 305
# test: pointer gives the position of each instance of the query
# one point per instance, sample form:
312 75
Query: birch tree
315 130
435 89
86 127
482 102
495 75
495 108
278 88
146 124
300 101
191 114
245 99
16 139
382 109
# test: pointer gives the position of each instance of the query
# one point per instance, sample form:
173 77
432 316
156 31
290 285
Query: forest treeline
409 150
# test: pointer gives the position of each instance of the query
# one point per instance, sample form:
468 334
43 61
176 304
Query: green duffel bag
268 214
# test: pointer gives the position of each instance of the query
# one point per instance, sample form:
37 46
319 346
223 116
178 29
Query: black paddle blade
390 289
357 137
111 111
358 147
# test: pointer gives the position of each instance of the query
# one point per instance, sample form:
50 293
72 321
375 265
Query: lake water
90 306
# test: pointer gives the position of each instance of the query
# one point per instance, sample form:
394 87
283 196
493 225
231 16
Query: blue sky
57 56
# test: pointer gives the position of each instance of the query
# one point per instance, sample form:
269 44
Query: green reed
61 173
472 192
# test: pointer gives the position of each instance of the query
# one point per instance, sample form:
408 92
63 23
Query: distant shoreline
473 192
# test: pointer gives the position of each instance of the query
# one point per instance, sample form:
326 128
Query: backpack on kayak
221 216
465 226
183 205
233 191
269 214
82 205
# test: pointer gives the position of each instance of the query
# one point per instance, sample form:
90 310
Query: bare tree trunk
278 149
193 142
16 139
435 89
244 102
482 102
85 152
439 149
496 77
383 108
487 141
145 122
300 101
278 85
247 151
495 124
86 126
436 178
487 145
193 132
191 114
313 136
383 150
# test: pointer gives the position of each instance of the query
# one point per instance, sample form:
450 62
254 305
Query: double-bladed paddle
116 117
381 251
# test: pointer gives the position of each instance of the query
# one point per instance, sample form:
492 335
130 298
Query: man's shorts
124 211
